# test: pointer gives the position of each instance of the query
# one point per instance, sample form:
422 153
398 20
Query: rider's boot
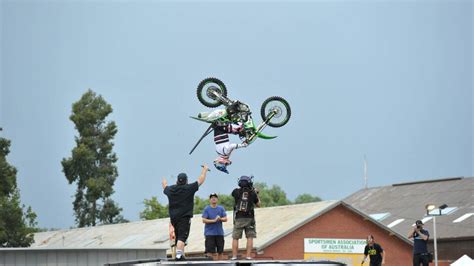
221 163
221 167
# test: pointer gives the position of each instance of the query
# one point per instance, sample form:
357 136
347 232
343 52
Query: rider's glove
242 145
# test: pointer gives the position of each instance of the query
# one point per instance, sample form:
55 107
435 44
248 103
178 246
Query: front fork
261 127
222 99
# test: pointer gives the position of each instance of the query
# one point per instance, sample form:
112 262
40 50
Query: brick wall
339 222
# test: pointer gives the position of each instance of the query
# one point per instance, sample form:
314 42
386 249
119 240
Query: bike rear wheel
281 108
207 90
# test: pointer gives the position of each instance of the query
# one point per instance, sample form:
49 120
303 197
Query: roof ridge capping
429 181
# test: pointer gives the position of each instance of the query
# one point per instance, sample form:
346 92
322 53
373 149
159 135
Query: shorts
181 228
214 244
247 224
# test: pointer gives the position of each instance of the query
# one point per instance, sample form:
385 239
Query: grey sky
389 79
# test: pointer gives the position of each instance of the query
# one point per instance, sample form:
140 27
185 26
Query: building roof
273 223
398 206
152 234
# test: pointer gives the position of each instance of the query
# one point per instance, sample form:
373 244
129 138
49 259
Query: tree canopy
92 163
269 197
17 223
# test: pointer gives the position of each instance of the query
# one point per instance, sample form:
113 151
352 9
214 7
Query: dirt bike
212 92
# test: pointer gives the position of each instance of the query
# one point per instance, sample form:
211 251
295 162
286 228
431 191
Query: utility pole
429 208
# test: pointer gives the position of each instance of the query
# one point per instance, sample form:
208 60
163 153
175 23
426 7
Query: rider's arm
234 128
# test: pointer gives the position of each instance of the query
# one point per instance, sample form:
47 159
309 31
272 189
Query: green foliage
273 196
92 164
269 197
110 213
153 210
226 201
306 198
199 204
16 224
8 172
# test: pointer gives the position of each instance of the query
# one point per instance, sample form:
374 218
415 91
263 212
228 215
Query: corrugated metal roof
272 224
141 234
154 233
407 201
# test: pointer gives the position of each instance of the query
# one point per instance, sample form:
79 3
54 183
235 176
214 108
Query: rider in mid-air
221 138
235 119
223 146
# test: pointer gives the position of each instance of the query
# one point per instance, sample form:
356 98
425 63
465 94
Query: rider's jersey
221 133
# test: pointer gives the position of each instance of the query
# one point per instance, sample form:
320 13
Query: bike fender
263 136
200 119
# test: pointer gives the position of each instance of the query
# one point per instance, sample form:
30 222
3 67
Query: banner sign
334 245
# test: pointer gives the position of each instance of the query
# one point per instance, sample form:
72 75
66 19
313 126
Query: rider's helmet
245 181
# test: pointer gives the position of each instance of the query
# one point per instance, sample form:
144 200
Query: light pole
429 208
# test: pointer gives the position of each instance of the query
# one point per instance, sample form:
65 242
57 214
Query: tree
16 224
306 198
273 196
199 204
153 209
92 164
269 197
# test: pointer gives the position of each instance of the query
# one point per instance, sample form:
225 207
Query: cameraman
420 244
245 198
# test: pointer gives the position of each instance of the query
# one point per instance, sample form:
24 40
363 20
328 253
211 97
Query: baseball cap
182 179
213 195
419 222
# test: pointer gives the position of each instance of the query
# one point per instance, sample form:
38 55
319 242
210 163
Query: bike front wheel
281 109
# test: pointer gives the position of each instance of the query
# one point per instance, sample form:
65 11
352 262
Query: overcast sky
388 79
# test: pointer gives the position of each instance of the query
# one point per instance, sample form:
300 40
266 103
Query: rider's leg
224 151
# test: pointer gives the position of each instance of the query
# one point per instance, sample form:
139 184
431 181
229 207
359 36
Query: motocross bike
212 92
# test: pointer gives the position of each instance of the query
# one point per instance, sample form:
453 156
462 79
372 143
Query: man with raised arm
181 204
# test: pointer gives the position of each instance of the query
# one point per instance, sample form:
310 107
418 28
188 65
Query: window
464 217
446 211
379 216
392 224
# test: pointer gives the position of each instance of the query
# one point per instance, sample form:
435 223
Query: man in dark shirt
181 204
245 197
374 251
420 244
